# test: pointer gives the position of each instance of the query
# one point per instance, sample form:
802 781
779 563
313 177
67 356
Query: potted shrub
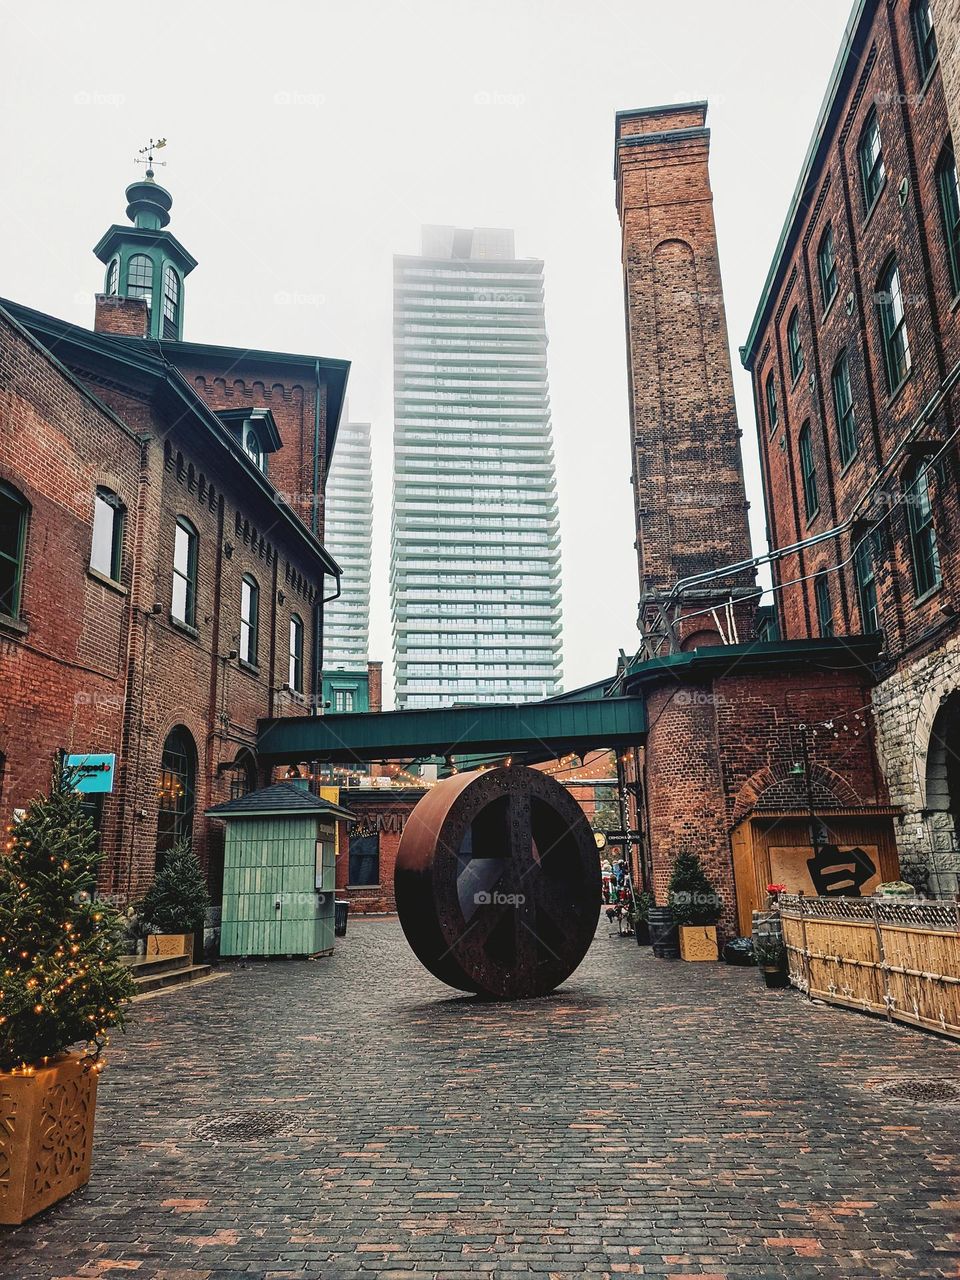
771 956
640 917
176 904
63 985
696 907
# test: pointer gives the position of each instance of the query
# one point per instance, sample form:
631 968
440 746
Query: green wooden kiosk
279 872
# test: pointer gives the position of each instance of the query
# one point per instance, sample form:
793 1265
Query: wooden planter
170 944
699 942
46 1135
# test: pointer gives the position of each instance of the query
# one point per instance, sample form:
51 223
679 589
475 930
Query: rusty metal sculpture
498 882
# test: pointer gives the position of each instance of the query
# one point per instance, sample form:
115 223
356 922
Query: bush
178 899
63 982
692 897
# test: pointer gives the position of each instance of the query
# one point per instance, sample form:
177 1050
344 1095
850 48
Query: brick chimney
375 685
125 316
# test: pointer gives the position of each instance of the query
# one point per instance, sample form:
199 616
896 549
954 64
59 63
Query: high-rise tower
689 494
475 567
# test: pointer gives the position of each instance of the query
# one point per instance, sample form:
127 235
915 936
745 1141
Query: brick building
162 577
855 356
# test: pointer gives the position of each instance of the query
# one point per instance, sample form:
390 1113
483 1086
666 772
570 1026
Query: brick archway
776 787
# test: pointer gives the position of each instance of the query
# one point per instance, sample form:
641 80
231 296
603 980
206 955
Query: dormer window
252 447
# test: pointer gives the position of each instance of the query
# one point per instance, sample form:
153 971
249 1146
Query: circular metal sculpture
498 882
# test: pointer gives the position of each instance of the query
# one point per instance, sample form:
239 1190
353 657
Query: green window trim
827 267
183 606
893 326
864 568
844 411
249 619
924 37
295 672
794 344
948 191
112 282
176 791
808 471
140 278
821 593
924 553
771 392
171 303
14 514
873 173
106 544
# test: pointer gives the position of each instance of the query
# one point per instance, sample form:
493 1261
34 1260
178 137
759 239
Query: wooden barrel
663 934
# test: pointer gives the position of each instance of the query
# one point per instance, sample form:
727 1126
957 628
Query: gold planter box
699 942
169 944
46 1135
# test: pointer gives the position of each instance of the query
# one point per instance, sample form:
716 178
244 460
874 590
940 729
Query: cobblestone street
651 1118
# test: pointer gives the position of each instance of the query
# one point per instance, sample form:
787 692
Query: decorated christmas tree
62 981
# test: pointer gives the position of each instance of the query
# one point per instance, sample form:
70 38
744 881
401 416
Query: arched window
296 654
252 447
176 791
924 555
843 409
106 549
808 471
14 510
772 415
140 278
924 36
249 619
893 326
948 189
184 602
171 302
827 267
794 344
113 278
870 158
821 593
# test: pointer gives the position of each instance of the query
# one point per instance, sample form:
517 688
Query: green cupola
145 260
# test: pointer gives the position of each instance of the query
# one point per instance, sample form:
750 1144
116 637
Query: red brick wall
913 126
126 316
388 810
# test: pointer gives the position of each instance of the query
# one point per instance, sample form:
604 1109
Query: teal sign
94 773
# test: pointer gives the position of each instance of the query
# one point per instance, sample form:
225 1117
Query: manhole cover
243 1126
922 1090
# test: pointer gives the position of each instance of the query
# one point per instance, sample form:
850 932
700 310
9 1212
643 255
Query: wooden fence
901 959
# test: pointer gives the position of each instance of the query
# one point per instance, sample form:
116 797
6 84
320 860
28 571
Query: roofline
839 653
147 234
329 810
143 357
663 108
811 160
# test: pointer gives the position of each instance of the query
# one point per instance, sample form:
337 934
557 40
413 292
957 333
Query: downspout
315 510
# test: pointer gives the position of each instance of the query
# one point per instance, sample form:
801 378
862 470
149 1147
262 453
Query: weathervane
147 152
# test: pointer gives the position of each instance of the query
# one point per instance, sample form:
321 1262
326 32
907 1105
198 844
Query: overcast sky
309 141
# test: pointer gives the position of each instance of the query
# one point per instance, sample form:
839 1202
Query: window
296 654
827 267
923 536
252 447
893 326
821 592
924 37
864 567
171 302
808 472
364 859
793 344
949 193
249 620
113 277
872 173
772 416
106 551
184 604
13 539
140 278
843 408
176 791
343 699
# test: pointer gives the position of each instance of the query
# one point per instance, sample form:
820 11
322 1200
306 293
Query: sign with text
94 773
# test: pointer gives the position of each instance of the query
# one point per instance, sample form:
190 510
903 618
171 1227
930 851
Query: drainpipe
315 510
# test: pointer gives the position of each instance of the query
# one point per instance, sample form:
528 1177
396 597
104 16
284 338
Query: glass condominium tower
348 535
475 558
